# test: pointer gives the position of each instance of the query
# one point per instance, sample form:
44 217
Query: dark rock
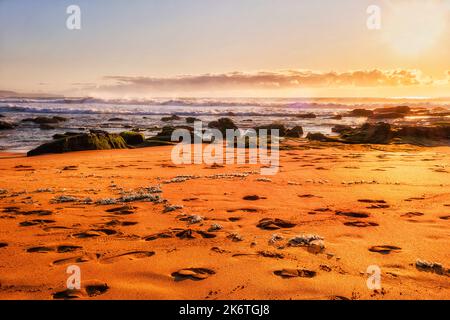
45 126
7 125
45 120
306 116
171 118
360 113
387 115
340 128
399 109
116 119
191 119
86 141
132 138
274 126
425 136
222 124
379 133
317 136
295 132
2 116
337 117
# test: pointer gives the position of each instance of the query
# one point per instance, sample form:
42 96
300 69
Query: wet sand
214 233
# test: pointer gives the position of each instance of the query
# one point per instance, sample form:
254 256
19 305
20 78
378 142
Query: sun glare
412 27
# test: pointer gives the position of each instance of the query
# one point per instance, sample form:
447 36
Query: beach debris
433 267
106 201
264 180
139 196
170 208
275 238
42 190
63 199
215 227
314 243
192 219
235 237
295 273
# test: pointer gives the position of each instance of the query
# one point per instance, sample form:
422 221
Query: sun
415 26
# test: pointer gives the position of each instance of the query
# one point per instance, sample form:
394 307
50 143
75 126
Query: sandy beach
225 232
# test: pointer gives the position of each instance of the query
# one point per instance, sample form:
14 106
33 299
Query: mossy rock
132 138
86 141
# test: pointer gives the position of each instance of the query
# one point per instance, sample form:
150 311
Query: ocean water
84 114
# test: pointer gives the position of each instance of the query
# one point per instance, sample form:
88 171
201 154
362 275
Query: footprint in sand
384 249
90 289
371 201
59 249
445 217
274 224
243 210
412 214
133 255
35 222
181 234
253 198
195 274
361 224
3 244
123 210
94 233
295 273
352 214
77 259
114 223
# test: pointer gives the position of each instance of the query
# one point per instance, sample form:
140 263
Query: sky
237 48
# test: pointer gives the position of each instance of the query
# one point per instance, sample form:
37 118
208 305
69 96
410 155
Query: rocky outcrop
341 128
222 125
317 136
7 125
171 118
191 120
295 132
379 133
282 130
359 113
132 138
85 141
45 120
306 116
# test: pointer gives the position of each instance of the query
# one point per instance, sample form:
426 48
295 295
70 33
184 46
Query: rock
360 113
45 120
7 125
425 136
86 141
132 138
2 116
191 120
306 116
336 117
379 133
171 118
295 132
45 126
319 137
222 124
340 128
274 126
399 109
116 119
387 115
64 135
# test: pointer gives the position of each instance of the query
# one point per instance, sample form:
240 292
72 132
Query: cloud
241 81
